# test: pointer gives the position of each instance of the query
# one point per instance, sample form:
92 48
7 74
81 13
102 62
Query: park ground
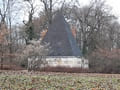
23 80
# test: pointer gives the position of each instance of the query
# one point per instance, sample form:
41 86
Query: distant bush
105 61
29 56
24 63
12 67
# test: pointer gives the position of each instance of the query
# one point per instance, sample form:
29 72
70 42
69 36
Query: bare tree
30 35
91 21
6 23
48 6
3 44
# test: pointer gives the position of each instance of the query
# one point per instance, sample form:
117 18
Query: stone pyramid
60 38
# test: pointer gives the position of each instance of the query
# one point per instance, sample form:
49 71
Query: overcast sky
115 4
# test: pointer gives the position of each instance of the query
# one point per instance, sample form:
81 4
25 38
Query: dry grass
23 80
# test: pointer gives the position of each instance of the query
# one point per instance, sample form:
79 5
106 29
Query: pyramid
60 38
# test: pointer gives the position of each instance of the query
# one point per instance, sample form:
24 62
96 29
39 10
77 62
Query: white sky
115 4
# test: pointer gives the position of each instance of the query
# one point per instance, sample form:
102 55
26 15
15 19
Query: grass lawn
16 80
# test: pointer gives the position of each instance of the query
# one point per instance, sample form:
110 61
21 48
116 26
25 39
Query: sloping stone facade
60 38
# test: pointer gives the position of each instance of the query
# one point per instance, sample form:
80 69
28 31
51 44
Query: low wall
67 61
57 61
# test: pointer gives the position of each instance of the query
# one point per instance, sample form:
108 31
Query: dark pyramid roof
60 37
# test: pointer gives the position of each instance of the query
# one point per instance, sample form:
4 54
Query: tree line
97 30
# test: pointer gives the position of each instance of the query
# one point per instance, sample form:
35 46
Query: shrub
32 54
105 61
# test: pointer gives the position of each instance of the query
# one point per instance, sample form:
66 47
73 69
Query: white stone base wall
67 61
57 61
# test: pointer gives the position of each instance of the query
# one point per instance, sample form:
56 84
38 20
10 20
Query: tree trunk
84 50
1 62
